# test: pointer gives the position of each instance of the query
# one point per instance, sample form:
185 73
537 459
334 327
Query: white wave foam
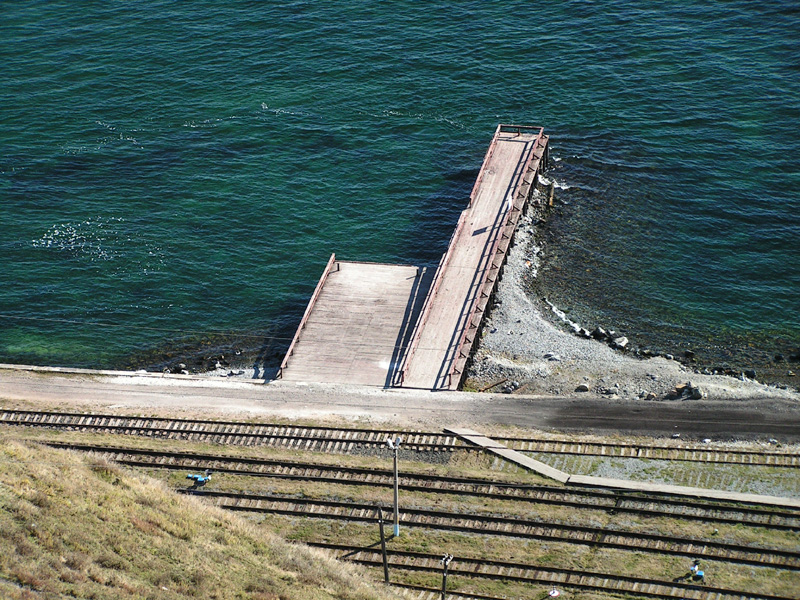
100 240
419 116
282 111
560 185
86 238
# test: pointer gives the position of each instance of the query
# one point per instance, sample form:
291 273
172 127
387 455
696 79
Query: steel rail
510 527
301 437
422 440
711 454
475 568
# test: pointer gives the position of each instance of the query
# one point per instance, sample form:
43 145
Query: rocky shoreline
529 346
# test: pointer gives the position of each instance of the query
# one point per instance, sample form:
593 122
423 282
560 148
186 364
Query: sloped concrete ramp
490 445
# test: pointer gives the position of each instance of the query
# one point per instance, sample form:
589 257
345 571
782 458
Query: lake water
174 177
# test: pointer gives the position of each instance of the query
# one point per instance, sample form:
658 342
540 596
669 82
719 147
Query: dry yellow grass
79 527
539 552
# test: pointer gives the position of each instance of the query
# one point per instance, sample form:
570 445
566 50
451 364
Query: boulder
582 388
599 333
619 343
681 389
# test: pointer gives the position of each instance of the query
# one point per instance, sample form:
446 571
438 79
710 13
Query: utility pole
446 559
395 445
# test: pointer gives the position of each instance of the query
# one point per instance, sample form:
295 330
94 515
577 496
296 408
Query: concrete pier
391 325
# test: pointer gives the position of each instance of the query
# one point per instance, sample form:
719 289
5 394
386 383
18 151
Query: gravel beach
523 349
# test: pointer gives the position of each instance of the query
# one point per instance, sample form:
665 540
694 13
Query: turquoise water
174 176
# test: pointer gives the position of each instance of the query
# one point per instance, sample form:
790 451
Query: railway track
330 439
477 569
291 437
582 498
515 526
683 452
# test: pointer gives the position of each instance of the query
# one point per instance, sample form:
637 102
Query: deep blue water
174 176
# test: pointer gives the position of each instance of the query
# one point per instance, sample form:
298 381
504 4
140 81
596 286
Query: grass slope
73 526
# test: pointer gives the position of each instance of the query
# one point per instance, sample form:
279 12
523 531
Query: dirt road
751 419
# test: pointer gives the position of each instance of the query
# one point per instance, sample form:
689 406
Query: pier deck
391 325
358 324
467 274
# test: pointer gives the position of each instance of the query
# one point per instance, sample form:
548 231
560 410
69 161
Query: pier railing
311 303
459 357
445 261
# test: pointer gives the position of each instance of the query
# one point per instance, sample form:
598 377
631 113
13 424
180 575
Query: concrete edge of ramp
490 445
680 490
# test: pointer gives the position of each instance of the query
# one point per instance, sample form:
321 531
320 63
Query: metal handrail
484 275
311 303
446 258
508 128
